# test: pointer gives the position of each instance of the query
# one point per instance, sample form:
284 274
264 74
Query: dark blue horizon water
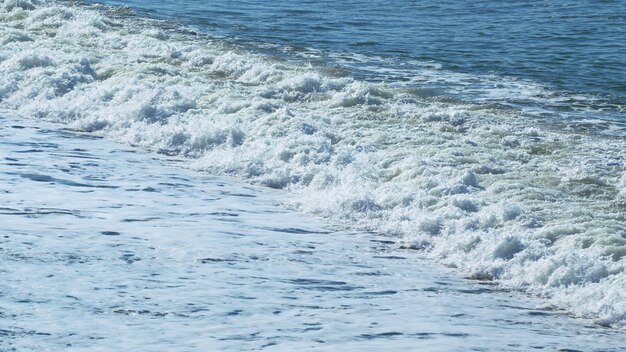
570 48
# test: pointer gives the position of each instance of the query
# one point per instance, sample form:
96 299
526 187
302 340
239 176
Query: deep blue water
574 50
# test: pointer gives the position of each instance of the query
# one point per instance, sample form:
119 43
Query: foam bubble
20 4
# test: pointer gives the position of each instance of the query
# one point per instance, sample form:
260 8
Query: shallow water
531 204
106 248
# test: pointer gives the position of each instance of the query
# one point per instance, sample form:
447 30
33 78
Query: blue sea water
574 51
486 138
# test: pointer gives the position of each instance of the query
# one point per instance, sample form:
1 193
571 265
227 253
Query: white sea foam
206 263
535 208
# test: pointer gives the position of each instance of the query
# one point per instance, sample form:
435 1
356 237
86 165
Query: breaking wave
535 206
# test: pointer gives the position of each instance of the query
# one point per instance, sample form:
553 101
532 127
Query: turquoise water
574 51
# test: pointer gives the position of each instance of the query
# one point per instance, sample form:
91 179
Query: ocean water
486 138
105 248
555 58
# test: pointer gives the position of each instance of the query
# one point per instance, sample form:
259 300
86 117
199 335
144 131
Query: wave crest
538 209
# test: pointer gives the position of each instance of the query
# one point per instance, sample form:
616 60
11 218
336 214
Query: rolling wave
536 206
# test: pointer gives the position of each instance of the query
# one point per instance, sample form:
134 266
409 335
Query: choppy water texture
529 203
558 58
104 248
